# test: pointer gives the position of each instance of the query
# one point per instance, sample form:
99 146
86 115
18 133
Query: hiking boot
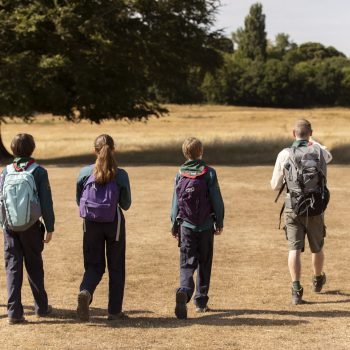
202 309
317 283
181 307
119 316
297 296
83 312
44 314
12 320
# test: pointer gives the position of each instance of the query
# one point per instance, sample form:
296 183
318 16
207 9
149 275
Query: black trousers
24 247
196 253
100 241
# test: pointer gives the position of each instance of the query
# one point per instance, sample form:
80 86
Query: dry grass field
250 290
259 133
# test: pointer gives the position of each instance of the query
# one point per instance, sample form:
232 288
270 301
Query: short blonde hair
192 148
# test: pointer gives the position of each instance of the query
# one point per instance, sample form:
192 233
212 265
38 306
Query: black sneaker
181 307
45 314
317 283
119 316
297 296
83 312
12 320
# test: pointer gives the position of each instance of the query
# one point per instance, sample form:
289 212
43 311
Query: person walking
302 170
103 191
25 198
197 215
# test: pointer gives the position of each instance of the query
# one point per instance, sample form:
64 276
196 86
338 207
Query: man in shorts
297 226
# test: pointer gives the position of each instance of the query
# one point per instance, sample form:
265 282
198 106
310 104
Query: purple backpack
193 199
99 202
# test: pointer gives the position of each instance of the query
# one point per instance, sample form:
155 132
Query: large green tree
97 59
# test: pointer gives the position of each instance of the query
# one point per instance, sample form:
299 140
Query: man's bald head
302 129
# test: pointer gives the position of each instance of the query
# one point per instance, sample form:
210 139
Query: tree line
110 59
279 73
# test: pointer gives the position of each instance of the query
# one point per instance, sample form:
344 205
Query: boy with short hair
24 235
197 214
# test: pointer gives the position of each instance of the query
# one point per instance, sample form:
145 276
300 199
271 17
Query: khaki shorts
297 227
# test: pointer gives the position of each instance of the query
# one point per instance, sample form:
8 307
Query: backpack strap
280 191
30 169
281 212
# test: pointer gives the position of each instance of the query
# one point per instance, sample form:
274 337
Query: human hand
218 231
48 237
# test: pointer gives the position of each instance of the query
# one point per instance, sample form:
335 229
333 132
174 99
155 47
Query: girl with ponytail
103 191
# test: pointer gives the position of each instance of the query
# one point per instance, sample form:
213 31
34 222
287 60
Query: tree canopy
94 59
109 59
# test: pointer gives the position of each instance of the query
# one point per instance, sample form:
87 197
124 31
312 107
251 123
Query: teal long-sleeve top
122 180
217 203
42 183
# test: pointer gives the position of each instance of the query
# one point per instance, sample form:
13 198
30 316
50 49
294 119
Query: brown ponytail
105 165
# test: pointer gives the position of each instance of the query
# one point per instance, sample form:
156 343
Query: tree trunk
4 154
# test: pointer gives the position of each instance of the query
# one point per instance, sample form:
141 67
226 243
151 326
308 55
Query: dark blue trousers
196 253
24 246
100 242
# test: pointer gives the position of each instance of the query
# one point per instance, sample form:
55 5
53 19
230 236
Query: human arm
216 201
48 237
174 211
125 191
277 175
45 198
325 152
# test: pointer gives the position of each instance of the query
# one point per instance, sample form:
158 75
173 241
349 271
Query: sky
323 21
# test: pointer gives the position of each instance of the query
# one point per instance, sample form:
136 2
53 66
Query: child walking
25 196
197 214
103 190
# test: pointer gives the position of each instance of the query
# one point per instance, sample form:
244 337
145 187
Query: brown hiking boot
317 283
297 296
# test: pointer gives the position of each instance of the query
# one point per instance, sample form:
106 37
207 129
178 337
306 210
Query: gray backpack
19 201
305 175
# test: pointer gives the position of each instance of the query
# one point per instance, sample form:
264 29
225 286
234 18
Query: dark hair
23 145
105 165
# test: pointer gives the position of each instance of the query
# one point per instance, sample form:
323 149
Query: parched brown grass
221 126
250 289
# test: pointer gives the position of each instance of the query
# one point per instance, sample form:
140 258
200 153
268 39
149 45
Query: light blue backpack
19 201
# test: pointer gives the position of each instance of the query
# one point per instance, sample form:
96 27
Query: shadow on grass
307 313
246 151
341 154
137 319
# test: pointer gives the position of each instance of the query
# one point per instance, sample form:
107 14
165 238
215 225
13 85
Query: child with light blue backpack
25 197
